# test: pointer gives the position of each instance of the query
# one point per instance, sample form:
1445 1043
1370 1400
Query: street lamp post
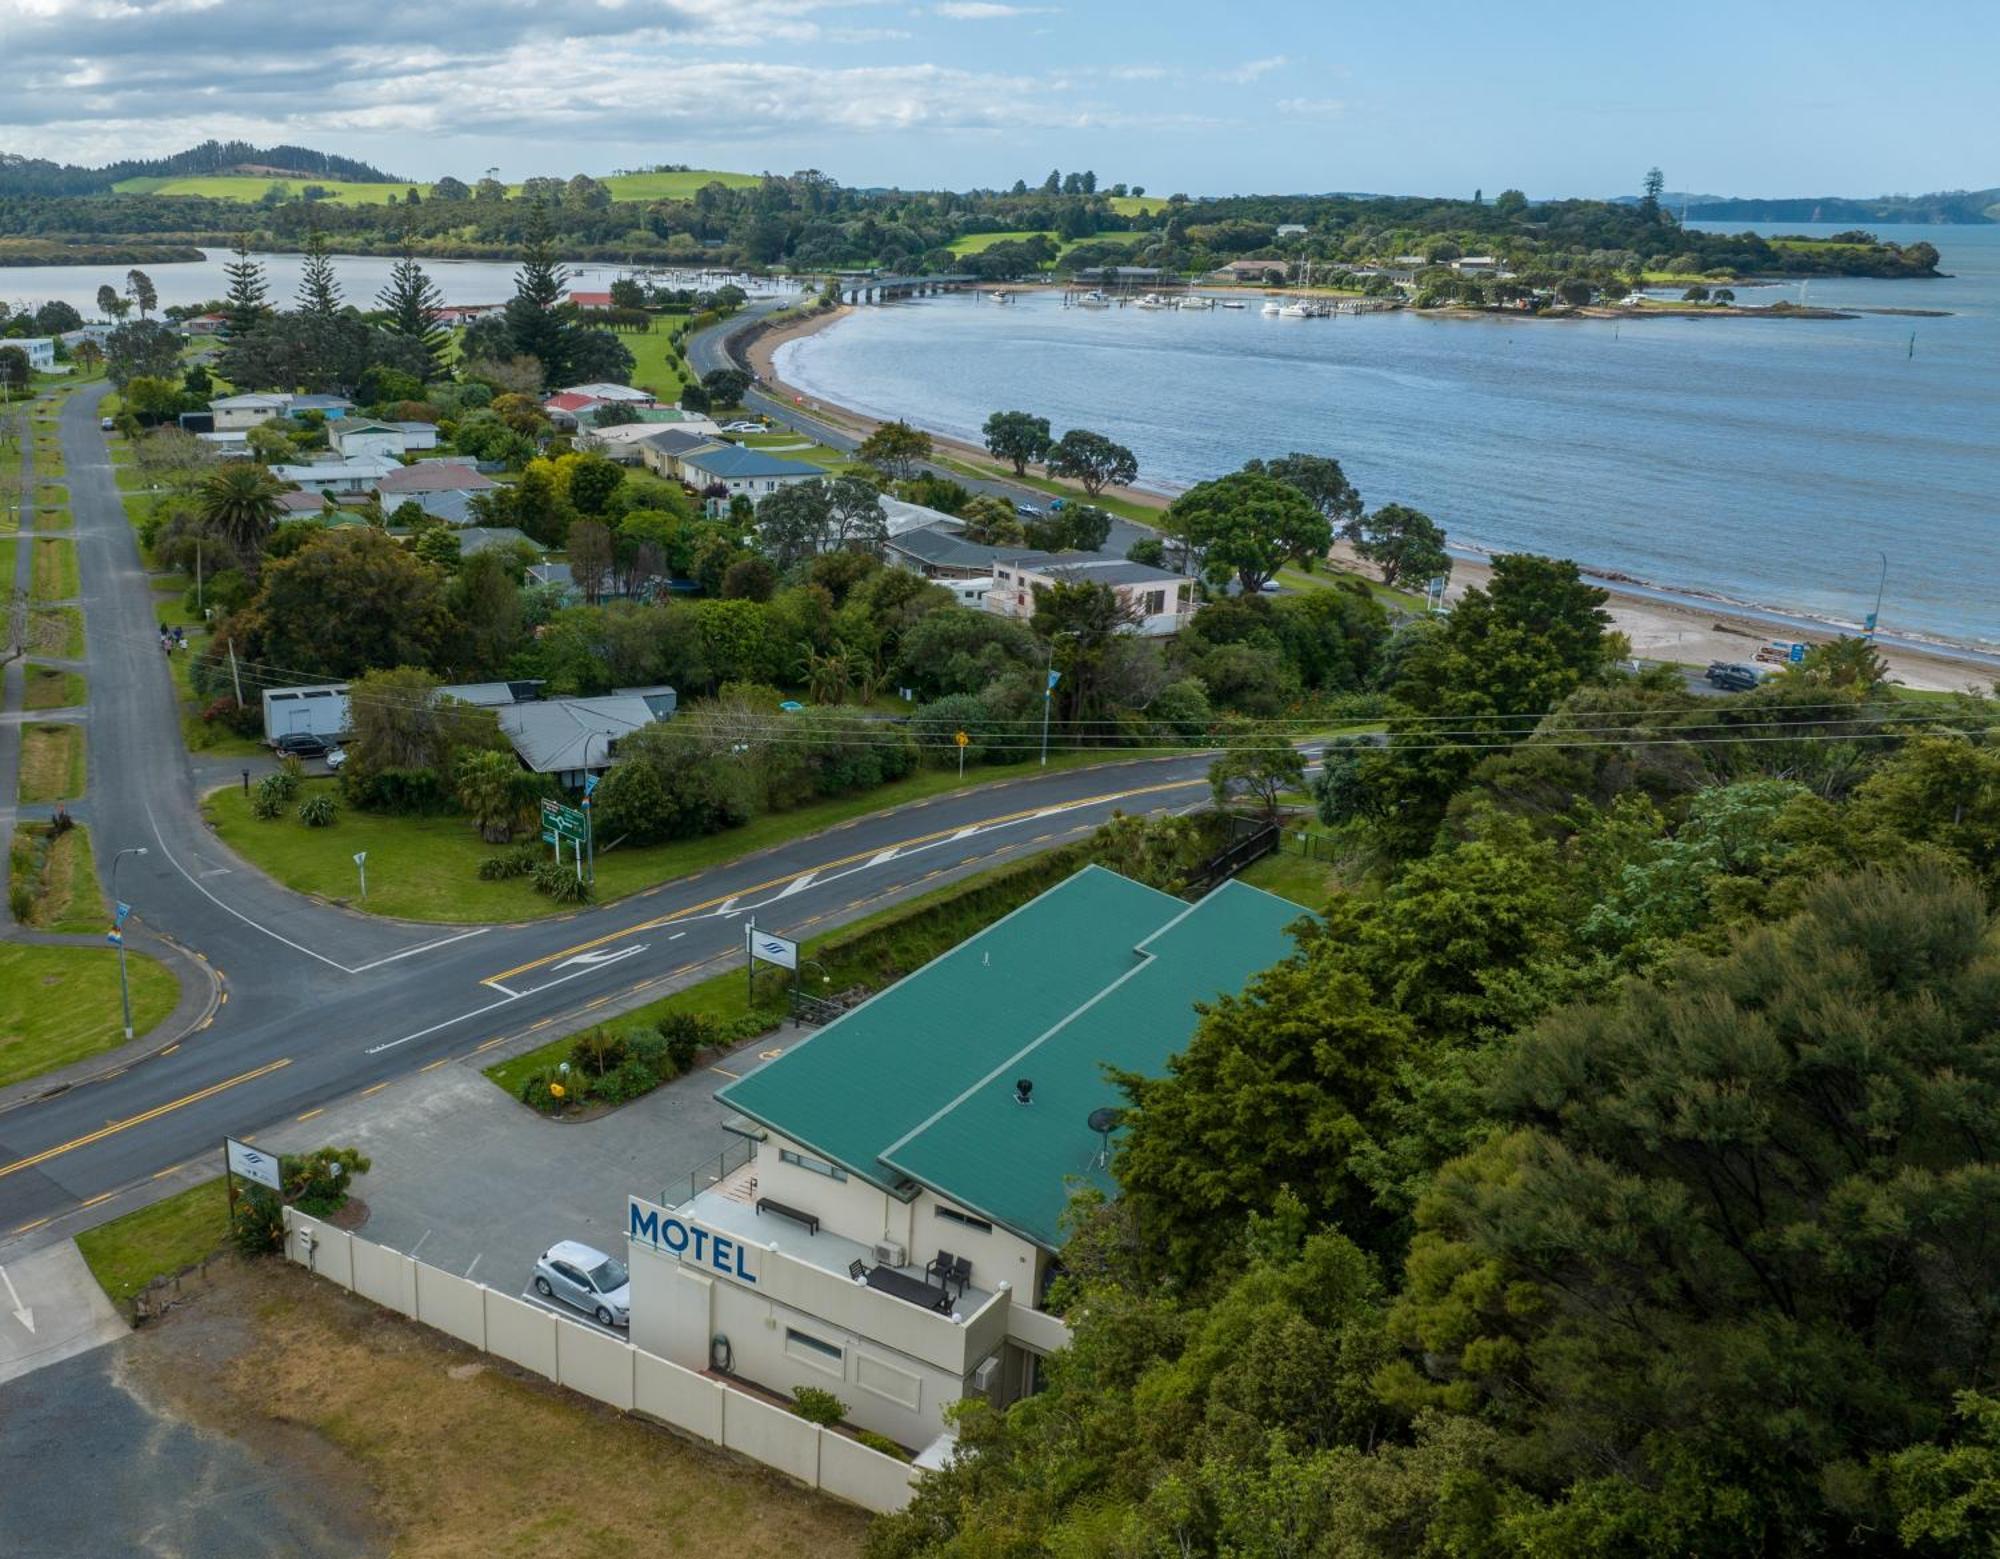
1881 584
589 811
118 904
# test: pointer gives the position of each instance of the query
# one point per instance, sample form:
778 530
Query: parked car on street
107 423
299 744
745 426
1733 676
586 1279
1027 511
336 757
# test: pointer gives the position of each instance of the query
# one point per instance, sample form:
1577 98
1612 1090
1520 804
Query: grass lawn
54 573
57 630
428 868
60 1004
51 687
1293 876
7 563
64 893
668 186
979 243
127 1253
1137 205
57 518
650 369
51 762
1124 508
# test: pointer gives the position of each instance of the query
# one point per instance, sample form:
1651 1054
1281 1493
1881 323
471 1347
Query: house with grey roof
572 737
660 450
749 472
1163 600
433 476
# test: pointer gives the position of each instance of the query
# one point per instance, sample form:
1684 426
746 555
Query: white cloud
987 10
1251 70
1311 107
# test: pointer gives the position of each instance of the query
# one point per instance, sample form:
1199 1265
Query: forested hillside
1610 1171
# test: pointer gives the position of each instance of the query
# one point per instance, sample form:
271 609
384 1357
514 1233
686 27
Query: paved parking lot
469 1180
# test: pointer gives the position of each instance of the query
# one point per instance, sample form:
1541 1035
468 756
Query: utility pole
234 675
119 912
1881 584
1049 690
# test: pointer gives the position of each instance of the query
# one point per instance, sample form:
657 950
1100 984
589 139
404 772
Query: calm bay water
1765 462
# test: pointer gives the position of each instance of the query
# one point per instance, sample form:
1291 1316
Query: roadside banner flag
1054 678
115 937
123 910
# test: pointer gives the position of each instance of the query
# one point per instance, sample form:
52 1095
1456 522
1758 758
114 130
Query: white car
744 427
335 757
586 1278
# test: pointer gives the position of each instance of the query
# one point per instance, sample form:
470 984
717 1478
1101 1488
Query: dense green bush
561 883
816 1406
882 1443
517 862
408 792
317 810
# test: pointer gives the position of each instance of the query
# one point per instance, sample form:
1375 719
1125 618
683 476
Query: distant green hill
1946 206
250 187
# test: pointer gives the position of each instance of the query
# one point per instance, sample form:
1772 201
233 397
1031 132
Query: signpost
963 742
361 864
239 1158
559 823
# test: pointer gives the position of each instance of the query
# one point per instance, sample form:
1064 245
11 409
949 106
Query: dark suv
299 744
1733 676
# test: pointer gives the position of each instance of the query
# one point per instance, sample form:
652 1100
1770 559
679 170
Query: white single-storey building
1163 600
891 1237
353 436
337 476
235 413
750 472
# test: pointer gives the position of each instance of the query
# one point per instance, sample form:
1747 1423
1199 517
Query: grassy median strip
51 762
52 880
170 1236
60 1004
427 868
54 574
57 630
51 687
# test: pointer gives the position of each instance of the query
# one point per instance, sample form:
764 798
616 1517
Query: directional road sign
566 822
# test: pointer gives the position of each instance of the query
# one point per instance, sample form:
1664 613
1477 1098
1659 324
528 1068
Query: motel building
893 1236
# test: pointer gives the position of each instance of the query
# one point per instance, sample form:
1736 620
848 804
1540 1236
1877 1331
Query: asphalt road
321 1003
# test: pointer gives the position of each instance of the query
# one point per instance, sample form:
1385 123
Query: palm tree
238 501
490 787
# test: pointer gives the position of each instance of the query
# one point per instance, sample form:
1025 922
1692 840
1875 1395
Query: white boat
1198 301
1152 300
1296 311
1234 303
1273 306
999 297
1093 300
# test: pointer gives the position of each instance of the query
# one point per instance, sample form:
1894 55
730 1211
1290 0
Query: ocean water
1768 463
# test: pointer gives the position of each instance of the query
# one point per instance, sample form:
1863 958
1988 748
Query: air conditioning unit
890 1254
985 1375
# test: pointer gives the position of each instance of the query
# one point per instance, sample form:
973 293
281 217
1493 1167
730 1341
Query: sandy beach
1691 633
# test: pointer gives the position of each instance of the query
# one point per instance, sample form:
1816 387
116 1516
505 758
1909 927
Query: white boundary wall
606 1368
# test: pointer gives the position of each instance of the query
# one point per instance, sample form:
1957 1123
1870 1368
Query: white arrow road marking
796 885
22 1313
881 859
598 960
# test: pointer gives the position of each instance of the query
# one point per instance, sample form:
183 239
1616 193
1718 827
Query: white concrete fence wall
600 1366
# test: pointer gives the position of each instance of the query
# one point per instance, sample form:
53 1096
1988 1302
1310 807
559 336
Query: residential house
365 436
941 552
230 446
39 350
572 737
605 391
454 508
749 472
1291 229
661 452
1478 265
475 539
563 407
205 325
456 315
239 413
625 441
351 477
894 1230
448 475
1251 271
295 503
591 302
95 334
1163 600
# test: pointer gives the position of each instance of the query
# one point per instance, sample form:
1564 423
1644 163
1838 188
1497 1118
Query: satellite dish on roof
1104 1121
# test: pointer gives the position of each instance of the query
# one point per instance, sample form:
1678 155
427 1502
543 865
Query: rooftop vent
1024 1091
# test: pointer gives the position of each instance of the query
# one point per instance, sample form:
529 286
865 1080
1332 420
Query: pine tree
538 314
319 292
413 302
248 303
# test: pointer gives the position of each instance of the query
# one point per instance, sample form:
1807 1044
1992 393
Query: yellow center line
139 1120
96 1199
433 1066
490 1044
376 1089
833 865
174 1171
171 1049
309 1114
27 1226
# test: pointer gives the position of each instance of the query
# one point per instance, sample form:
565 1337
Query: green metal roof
918 1082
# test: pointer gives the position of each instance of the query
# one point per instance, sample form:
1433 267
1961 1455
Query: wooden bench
811 1220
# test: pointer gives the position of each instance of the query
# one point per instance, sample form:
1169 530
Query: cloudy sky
1768 97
